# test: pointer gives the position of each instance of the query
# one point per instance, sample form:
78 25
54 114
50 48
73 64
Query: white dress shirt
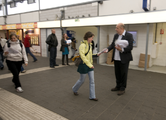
117 54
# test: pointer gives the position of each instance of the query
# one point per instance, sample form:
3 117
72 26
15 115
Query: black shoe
121 92
94 99
34 60
56 65
76 93
52 67
2 68
115 89
63 64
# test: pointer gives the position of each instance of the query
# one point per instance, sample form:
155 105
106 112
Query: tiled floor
50 91
154 68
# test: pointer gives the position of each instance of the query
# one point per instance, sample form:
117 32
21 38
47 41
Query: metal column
98 42
146 51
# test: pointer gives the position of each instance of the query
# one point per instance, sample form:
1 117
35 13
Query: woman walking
15 54
86 66
65 49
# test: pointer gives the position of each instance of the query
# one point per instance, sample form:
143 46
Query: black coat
126 55
52 40
63 45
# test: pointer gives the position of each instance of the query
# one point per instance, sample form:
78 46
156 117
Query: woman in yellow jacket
86 66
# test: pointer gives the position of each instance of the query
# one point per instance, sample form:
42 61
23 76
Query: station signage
146 5
18 26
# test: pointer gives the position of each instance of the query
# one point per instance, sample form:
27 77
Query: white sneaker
24 71
19 89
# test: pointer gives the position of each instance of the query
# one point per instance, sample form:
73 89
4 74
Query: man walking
121 57
27 45
53 43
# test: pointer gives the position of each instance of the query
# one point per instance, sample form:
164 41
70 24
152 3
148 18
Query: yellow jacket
83 49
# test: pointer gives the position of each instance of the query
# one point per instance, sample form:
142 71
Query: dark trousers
15 68
53 54
63 59
121 71
28 51
1 60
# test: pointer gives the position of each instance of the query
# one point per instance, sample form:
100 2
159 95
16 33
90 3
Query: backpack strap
20 43
8 44
88 51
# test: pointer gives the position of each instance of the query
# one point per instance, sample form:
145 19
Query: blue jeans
53 53
91 84
28 51
22 69
1 60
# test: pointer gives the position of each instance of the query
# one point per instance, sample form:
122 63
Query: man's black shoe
115 89
56 65
121 92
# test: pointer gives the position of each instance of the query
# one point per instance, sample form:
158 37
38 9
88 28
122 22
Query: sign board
134 33
18 26
146 5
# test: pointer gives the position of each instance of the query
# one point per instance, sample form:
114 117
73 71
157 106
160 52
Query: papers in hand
122 43
69 41
102 51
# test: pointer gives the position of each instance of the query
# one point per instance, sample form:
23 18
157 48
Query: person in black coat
121 57
53 43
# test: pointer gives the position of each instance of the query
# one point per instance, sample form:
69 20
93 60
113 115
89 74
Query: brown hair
63 37
88 35
11 35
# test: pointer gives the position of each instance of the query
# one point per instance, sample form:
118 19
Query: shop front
19 29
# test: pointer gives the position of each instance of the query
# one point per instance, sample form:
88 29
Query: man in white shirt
121 57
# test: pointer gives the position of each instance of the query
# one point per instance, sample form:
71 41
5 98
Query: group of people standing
52 47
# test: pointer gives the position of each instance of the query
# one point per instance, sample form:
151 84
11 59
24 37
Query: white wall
161 38
111 7
13 19
159 4
80 32
30 17
43 43
141 41
103 43
2 21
